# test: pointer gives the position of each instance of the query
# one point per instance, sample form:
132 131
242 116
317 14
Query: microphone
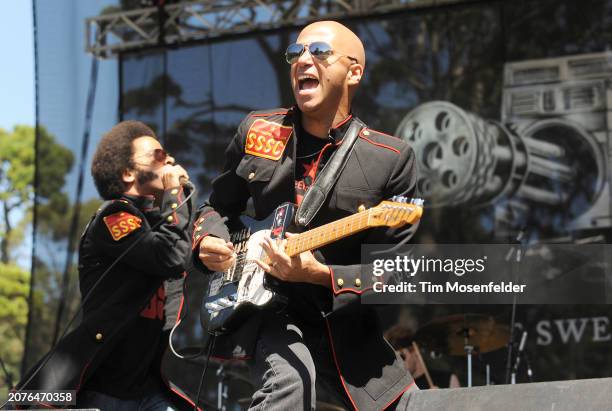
185 182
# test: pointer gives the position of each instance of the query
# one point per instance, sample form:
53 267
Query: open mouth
307 82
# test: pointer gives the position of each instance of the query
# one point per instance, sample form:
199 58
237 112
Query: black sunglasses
317 49
159 154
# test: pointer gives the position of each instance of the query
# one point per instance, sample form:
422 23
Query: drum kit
463 335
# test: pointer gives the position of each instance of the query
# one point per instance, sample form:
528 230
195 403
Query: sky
17 64
17 81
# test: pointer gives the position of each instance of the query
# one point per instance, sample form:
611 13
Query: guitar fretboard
328 233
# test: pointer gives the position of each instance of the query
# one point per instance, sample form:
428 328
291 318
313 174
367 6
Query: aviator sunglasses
159 154
317 49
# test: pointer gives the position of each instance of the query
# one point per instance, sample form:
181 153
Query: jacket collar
340 129
143 203
336 133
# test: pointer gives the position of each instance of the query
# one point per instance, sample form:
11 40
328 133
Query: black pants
293 367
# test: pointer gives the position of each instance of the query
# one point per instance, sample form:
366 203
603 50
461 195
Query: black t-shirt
132 368
305 299
308 161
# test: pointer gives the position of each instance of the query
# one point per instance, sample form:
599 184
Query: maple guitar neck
386 214
328 233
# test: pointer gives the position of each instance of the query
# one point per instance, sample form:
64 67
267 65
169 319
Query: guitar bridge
221 303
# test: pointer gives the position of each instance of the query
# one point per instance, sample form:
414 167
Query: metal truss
112 33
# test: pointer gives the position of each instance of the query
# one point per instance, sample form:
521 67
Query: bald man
323 334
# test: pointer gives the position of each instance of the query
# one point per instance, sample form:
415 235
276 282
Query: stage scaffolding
171 24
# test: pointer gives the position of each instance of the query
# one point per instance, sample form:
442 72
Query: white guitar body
251 288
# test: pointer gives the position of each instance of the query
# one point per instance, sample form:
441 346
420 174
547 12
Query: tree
17 163
20 152
14 289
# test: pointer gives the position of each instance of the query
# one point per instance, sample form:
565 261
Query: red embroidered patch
267 139
121 224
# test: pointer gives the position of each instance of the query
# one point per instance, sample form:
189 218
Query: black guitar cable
187 184
208 354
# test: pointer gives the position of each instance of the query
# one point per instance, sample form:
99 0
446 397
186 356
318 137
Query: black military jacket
261 171
126 290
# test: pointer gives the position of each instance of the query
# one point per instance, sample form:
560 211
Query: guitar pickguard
251 286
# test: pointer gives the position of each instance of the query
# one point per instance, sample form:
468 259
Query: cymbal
321 405
452 333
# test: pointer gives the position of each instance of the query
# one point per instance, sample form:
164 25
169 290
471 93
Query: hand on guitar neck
301 268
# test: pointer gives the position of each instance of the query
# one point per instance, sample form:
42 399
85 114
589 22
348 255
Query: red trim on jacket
78 388
181 394
379 144
384 134
270 114
345 289
199 222
340 124
180 310
333 281
333 349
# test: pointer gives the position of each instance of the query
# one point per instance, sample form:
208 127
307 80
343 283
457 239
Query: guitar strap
318 191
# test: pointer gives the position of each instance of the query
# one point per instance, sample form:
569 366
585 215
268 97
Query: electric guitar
220 302
232 295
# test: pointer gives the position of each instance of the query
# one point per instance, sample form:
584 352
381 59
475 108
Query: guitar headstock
396 212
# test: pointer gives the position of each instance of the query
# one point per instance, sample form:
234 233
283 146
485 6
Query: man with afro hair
140 236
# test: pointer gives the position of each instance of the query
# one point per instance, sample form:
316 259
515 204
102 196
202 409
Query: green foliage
17 174
14 289
18 160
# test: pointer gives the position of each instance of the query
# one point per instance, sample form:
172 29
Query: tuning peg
417 201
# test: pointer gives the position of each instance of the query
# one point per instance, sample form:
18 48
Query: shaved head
324 83
341 38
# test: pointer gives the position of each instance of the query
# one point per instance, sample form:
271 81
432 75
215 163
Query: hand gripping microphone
185 182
